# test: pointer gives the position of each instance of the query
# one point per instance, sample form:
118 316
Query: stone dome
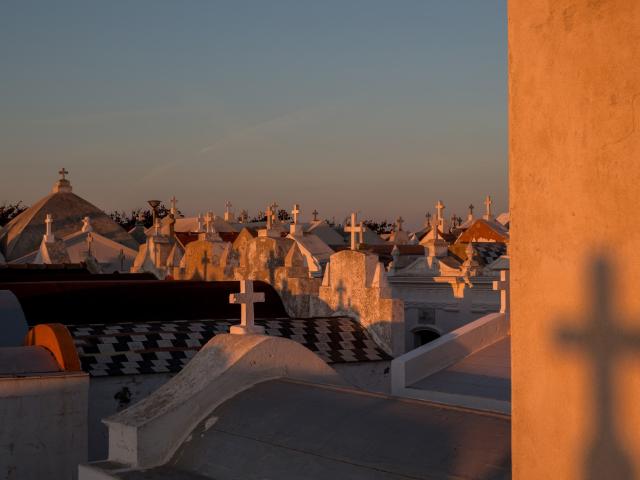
24 233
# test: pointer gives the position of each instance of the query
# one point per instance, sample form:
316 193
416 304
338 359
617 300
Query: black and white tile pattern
489 252
156 347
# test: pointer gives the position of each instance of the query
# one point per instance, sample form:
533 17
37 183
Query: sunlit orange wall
574 120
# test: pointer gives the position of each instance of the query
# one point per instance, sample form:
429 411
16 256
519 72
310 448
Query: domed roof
24 233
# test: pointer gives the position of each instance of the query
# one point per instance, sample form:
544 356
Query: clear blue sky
378 106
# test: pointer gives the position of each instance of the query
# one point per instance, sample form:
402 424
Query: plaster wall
574 111
44 426
109 395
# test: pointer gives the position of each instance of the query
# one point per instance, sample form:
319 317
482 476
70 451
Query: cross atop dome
63 185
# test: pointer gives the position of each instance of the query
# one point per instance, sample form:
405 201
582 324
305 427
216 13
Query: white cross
503 286
295 212
48 220
63 172
399 222
353 229
487 204
269 215
246 298
439 217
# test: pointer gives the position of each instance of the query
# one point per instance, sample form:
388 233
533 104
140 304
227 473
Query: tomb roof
23 234
167 346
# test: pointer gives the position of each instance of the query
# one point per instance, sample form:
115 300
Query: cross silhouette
603 341
315 215
246 298
399 222
353 229
63 171
428 217
471 207
228 206
205 262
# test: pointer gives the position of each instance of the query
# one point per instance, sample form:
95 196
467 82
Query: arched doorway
424 335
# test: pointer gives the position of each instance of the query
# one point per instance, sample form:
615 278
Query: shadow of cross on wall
205 261
603 341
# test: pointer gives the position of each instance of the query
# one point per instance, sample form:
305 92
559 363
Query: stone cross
315 215
399 222
487 204
471 207
246 298
269 215
228 206
353 229
439 215
503 286
174 203
48 236
428 217
604 341
295 212
63 171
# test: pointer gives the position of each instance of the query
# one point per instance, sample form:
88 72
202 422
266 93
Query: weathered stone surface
355 284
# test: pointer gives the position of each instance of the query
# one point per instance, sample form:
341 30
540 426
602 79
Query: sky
381 107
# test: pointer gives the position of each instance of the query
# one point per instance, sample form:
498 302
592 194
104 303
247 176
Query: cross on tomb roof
63 172
353 229
487 203
48 221
269 215
399 222
295 212
471 207
315 215
439 209
246 298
